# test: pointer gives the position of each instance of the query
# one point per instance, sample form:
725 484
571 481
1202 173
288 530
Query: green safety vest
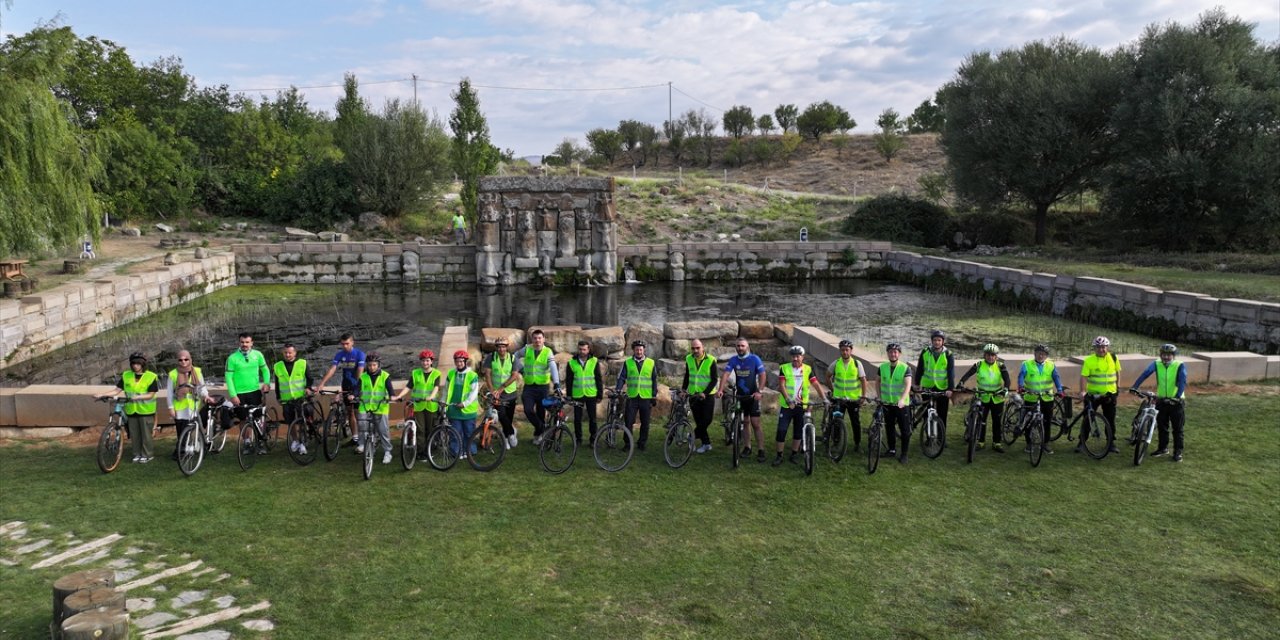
847 380
501 368
423 385
455 392
789 384
537 369
584 378
1102 373
934 375
989 382
699 373
1039 384
292 385
459 222
136 386
1167 379
373 394
640 379
892 384
188 401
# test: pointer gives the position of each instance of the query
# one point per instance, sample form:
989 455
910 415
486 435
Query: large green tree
473 155
927 118
738 121
1030 125
606 143
399 158
821 118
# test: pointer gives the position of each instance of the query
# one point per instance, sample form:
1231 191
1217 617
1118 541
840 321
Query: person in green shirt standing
247 378
459 228
139 388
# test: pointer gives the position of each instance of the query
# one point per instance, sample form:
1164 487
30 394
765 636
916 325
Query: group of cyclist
531 375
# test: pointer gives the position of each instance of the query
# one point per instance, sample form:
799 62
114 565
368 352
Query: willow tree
47 164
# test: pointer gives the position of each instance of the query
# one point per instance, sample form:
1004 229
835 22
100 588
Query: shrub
992 228
900 218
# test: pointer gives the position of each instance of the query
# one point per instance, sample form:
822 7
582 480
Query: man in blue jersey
748 371
351 361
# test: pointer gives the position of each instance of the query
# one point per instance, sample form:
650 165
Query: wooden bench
12 270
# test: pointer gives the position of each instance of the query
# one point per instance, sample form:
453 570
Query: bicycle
1027 421
257 436
1097 427
834 439
444 445
808 436
933 435
337 426
735 427
614 444
974 420
1144 423
111 443
304 432
559 447
408 438
875 433
488 444
205 435
677 447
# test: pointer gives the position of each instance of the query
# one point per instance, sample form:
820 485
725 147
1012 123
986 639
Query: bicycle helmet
373 357
500 342
1101 341
938 333
1169 348
137 356
427 353
990 348
893 346
461 354
846 343
1042 348
796 350
638 343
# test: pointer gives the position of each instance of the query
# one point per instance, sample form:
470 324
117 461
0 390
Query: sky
547 70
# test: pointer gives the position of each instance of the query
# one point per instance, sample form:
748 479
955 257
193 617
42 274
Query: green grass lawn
933 549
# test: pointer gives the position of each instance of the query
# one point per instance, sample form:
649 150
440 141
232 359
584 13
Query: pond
400 321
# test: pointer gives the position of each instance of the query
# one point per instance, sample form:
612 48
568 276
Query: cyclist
894 386
351 361
1037 381
936 371
585 382
993 377
424 385
1099 375
537 367
247 378
794 380
139 387
1171 388
641 386
462 398
185 390
293 382
376 393
748 371
700 383
847 380
502 379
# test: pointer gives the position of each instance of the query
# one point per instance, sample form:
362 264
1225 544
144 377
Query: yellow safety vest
892 383
1039 384
789 384
373 394
847 380
537 368
989 382
454 393
699 373
501 368
1101 374
1167 379
584 378
292 385
136 386
934 375
423 385
187 401
640 379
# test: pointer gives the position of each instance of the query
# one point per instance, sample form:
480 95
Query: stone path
168 595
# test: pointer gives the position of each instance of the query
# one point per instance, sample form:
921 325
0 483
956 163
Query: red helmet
461 353
427 353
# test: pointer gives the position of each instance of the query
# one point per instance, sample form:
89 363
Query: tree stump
72 266
95 599
96 625
69 584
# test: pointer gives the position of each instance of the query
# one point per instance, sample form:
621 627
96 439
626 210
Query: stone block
676 347
8 414
1207 305
783 331
489 337
819 344
702 329
1229 366
1239 310
561 338
1273 371
46 405
606 340
649 333
671 369
755 329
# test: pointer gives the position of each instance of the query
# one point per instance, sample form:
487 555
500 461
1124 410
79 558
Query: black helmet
1042 348
938 333
796 350
1169 348
846 343
638 343
373 357
893 346
137 356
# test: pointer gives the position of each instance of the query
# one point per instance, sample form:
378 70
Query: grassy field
932 549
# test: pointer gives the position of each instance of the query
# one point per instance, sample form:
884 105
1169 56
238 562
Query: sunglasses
184 359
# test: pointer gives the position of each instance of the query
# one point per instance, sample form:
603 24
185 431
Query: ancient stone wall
753 260
350 262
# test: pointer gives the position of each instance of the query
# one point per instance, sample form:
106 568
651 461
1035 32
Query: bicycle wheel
332 434
809 446
1010 422
487 447
558 450
443 448
1035 439
1061 419
246 446
614 447
110 445
732 431
408 444
190 450
1095 442
370 448
931 445
835 440
1144 440
304 442
873 443
678 445
971 434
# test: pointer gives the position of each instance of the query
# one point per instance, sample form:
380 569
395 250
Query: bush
992 228
900 218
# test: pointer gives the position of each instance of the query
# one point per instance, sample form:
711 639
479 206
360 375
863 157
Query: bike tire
837 441
408 444
247 446
1009 423
1061 419
932 447
613 447
331 432
809 446
487 447
190 450
369 441
1144 440
732 431
1035 439
558 450
677 447
110 446
873 443
1095 443
443 447
303 435
971 434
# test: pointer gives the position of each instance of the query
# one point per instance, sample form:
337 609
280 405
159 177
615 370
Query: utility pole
668 101
415 89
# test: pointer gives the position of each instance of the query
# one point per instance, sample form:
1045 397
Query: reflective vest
1167 379
373 394
989 382
187 401
934 375
1039 384
584 378
501 368
136 386
1100 374
789 383
423 385
892 384
699 373
454 393
292 385
459 222
847 380
640 379
537 369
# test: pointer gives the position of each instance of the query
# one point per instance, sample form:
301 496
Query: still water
399 321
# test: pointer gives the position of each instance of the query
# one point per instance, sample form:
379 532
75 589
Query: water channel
399 321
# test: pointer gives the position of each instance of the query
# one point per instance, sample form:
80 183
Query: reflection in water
400 321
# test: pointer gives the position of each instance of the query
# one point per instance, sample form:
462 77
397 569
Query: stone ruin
548 230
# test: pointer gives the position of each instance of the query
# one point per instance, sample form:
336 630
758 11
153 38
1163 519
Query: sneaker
1026 449
512 441
353 442
359 448
981 446
145 459
997 447
1045 448
892 452
1160 452
386 458
760 456
777 460
302 449
640 446
703 449
902 459
537 440
794 457
293 446
1111 448
423 457
746 453
1177 456
1079 448
137 458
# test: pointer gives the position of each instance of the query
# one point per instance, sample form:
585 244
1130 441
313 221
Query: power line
478 86
697 100
314 86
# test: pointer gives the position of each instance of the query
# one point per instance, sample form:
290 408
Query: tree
821 118
927 118
889 140
567 152
402 156
632 131
1030 125
473 155
765 124
786 115
738 121
674 132
1198 149
763 151
649 143
605 143
352 111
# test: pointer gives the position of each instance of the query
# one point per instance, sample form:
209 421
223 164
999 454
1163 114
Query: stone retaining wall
753 260
37 324
350 262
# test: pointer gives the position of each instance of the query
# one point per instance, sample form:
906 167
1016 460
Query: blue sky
538 62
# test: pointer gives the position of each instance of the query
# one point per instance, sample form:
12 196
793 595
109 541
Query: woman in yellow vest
794 381
700 383
185 391
1038 382
585 384
1099 375
140 388
993 378
637 376
936 371
462 398
376 393
424 387
1171 388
